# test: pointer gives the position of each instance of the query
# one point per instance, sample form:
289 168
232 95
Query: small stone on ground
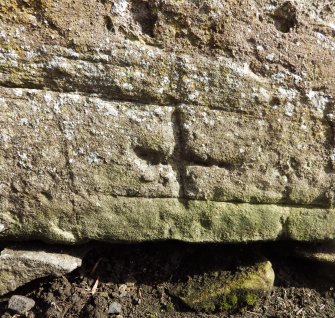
23 263
225 290
20 304
114 308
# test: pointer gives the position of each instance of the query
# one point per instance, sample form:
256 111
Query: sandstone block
153 120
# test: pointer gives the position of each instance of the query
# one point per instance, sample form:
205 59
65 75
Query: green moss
250 299
170 307
226 291
303 193
228 303
129 219
208 307
238 301
311 224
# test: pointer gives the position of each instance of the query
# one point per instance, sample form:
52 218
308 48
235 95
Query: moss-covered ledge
142 219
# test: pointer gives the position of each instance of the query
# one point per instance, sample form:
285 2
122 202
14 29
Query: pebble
123 294
123 290
114 308
20 304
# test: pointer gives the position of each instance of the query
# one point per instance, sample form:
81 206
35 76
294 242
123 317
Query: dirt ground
138 276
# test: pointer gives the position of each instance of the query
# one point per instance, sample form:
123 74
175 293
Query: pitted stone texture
126 219
231 157
141 74
122 149
33 159
119 124
58 143
20 304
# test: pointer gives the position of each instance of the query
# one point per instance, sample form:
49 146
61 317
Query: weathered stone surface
275 159
190 120
95 146
225 290
20 304
20 265
140 219
114 308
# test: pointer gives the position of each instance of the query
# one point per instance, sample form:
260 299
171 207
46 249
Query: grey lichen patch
143 74
121 148
68 142
224 290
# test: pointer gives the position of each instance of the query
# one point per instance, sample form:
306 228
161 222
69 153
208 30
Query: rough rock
226 290
114 308
202 121
22 264
20 304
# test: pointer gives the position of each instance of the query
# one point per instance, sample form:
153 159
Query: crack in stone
50 74
138 101
330 115
186 201
178 163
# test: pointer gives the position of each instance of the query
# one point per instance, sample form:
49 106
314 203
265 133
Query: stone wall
133 120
